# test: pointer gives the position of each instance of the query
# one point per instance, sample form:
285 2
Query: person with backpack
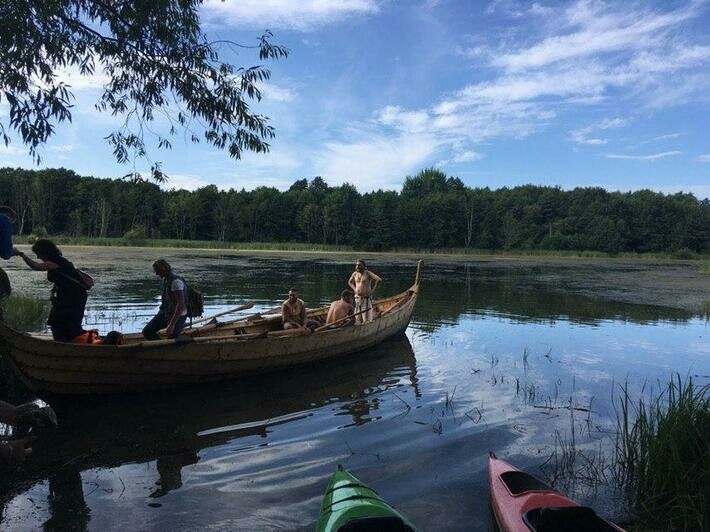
174 303
69 291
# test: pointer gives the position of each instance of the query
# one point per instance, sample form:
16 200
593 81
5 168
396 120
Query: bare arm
329 317
284 314
351 281
36 265
375 278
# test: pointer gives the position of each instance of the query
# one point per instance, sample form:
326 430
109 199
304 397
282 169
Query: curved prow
418 277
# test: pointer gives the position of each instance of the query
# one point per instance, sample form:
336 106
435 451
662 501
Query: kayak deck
351 506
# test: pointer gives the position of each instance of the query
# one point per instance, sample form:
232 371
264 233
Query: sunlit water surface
492 360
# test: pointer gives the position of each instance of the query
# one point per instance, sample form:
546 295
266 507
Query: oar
208 318
230 311
341 320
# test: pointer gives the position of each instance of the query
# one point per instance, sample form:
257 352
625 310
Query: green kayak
350 506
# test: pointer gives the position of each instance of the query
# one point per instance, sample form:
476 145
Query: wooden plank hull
57 368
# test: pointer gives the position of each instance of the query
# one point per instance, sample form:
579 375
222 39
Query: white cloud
651 157
705 158
581 136
302 15
275 93
597 30
183 181
374 161
12 150
62 148
73 77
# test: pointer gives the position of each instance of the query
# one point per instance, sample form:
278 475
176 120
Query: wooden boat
215 352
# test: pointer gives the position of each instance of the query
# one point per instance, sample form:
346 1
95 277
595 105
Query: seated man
293 313
342 309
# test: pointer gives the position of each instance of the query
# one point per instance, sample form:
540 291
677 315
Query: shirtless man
342 308
293 311
363 282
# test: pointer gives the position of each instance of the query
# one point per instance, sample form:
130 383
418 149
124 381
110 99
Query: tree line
432 211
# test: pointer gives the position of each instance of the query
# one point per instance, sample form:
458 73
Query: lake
513 356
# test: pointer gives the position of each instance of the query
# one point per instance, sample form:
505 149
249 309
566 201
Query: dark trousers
160 321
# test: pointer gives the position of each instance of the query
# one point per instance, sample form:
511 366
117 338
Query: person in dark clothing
7 218
68 294
173 304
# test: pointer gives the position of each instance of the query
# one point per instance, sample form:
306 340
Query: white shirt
179 286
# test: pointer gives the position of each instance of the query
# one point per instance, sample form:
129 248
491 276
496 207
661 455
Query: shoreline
454 254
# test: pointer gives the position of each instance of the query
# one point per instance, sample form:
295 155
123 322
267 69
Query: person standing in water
363 282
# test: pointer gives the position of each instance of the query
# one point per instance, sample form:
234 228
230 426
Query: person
13 452
68 293
363 282
7 219
293 311
173 304
341 309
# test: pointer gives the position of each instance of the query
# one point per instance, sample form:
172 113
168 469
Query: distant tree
157 61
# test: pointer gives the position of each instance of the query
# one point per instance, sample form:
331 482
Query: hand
20 449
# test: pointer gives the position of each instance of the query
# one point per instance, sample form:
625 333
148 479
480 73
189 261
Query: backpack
195 302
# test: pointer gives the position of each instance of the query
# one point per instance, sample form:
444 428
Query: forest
432 211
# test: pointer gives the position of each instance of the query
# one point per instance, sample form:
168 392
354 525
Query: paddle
341 320
208 318
230 311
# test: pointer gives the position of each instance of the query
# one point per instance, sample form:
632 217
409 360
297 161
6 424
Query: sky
498 93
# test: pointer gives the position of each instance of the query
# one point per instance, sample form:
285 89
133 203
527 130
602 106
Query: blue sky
500 93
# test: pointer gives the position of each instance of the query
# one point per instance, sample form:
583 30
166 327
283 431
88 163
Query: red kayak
522 503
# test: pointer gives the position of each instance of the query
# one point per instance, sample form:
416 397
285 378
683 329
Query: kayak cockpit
577 518
519 482
376 524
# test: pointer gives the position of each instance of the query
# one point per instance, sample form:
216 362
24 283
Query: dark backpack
195 302
193 298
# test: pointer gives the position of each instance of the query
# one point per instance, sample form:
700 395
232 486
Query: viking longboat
214 352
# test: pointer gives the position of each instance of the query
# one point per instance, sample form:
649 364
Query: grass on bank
330 248
663 455
24 313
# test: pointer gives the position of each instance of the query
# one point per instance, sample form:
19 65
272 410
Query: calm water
492 360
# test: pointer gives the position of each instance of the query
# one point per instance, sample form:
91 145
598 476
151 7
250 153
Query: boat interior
267 324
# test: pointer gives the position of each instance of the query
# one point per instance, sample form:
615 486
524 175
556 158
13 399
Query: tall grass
663 455
24 313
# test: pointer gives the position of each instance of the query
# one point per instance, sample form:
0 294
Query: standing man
173 304
293 311
363 282
7 219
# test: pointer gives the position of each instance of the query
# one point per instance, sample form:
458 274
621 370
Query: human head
45 249
360 265
347 295
9 212
161 268
292 294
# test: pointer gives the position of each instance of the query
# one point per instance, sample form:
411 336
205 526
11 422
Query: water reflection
500 350
172 428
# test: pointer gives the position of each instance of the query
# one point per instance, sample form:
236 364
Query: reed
663 455
24 313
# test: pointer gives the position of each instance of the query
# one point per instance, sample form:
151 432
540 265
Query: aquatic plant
663 454
24 313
